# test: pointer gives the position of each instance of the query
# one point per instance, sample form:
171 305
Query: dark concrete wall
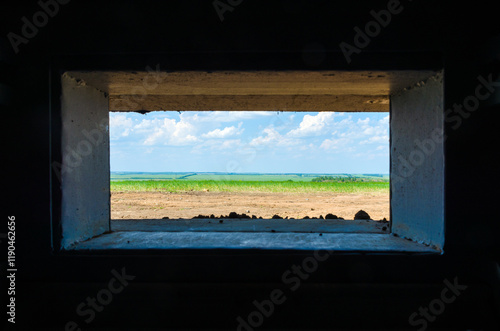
417 162
208 288
85 206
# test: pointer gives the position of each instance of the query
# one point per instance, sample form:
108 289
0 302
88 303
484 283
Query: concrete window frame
415 102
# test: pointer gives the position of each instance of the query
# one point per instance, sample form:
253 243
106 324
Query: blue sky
257 141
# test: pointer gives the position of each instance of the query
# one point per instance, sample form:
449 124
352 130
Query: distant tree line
347 178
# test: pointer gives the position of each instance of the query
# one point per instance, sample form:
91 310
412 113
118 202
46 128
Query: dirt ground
156 205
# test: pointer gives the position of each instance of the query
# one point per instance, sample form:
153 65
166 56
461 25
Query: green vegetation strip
247 186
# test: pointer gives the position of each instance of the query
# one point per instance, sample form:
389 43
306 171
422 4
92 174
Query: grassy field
217 182
248 186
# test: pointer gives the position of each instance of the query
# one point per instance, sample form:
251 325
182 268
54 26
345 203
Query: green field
214 182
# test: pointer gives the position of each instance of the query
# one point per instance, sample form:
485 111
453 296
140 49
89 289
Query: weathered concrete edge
340 242
251 225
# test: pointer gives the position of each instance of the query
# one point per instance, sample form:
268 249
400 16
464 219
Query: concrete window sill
251 225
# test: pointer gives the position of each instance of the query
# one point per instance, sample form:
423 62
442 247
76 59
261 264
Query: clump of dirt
231 215
362 215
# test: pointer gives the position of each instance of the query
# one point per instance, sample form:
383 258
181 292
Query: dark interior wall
202 289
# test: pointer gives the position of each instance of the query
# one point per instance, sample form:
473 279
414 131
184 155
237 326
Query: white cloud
335 144
376 133
272 137
382 139
372 132
120 125
217 145
312 125
369 131
230 144
224 133
223 116
364 122
167 132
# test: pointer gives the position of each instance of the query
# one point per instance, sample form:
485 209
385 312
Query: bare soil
156 205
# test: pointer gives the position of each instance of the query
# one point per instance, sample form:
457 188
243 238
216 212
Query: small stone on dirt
362 215
277 217
200 216
330 217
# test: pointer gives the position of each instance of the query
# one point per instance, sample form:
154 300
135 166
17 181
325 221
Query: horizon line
251 172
